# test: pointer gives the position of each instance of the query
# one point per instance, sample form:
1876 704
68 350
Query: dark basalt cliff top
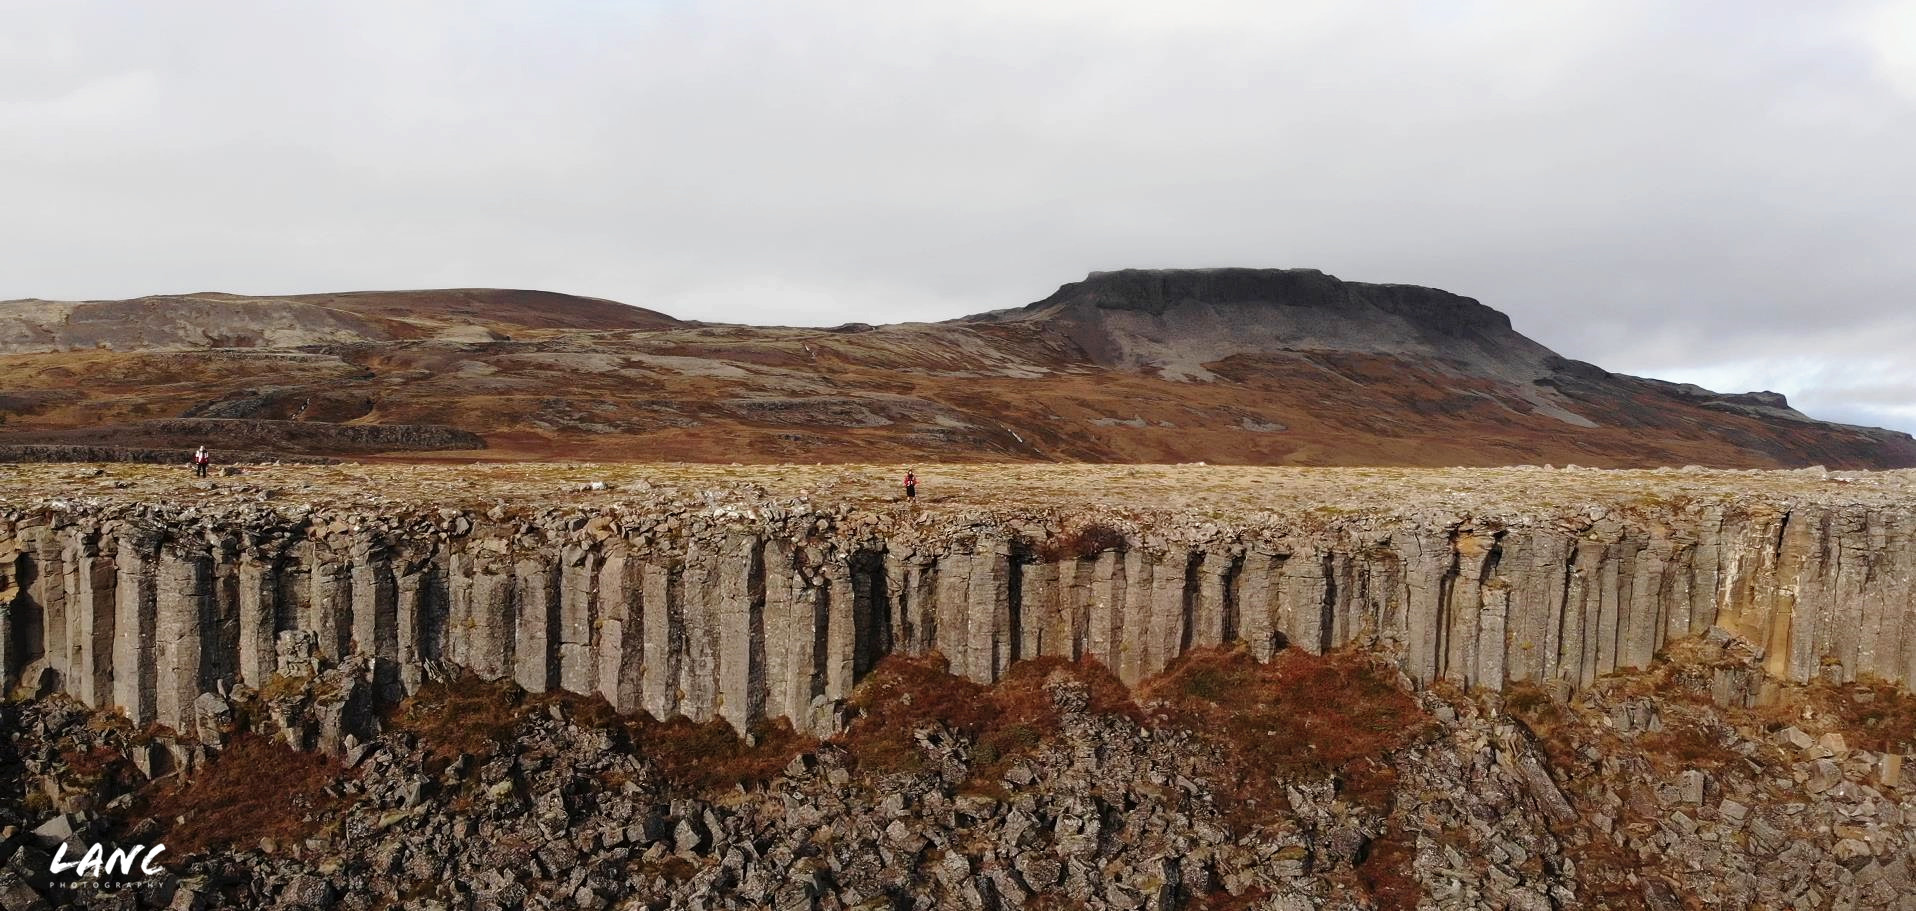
1162 291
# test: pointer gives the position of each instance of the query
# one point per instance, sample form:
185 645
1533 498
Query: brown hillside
1226 366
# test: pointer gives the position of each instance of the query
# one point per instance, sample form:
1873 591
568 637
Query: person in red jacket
201 461
911 486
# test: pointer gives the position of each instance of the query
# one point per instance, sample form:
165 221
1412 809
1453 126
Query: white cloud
1888 29
1643 185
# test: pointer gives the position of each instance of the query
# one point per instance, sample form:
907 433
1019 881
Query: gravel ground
1185 489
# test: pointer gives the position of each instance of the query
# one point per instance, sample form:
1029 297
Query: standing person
911 486
201 461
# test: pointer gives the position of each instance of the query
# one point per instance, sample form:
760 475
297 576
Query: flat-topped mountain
1262 366
1177 320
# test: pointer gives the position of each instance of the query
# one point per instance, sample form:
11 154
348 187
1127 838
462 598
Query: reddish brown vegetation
476 717
1004 721
712 757
467 717
1685 745
1386 875
100 768
901 695
1871 714
1225 901
1340 714
257 788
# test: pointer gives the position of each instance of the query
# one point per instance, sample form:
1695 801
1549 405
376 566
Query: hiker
201 461
911 486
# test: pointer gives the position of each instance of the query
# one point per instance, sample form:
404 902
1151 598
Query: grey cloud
1717 189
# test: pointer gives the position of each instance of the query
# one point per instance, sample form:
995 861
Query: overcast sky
1720 192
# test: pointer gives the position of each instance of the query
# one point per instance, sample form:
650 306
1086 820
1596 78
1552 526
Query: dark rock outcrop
1178 319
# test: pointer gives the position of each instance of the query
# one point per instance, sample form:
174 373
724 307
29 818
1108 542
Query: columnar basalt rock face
761 609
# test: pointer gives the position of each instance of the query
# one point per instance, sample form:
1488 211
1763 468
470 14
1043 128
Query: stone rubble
1107 814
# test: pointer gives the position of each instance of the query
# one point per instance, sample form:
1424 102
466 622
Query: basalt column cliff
745 606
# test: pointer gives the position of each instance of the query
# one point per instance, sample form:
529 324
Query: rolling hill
1260 366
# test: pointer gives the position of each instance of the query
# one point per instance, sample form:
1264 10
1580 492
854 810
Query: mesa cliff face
743 605
1175 320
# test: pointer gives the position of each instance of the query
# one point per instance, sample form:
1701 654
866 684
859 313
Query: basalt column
951 609
535 616
90 618
620 644
1305 599
1104 610
1214 612
741 626
578 611
183 620
375 599
991 634
258 617
1659 596
329 605
1043 625
664 638
486 627
1477 554
743 621
135 677
1429 563
841 631
1889 644
1134 646
22 624
48 592
1536 566
700 597
222 640
14 620
422 608
1075 578
910 585
1257 602
1173 591
795 625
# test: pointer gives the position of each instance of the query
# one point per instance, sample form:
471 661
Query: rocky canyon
580 685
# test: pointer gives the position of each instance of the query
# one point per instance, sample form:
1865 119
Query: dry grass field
1222 491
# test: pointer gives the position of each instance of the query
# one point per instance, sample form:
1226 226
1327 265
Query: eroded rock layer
743 606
